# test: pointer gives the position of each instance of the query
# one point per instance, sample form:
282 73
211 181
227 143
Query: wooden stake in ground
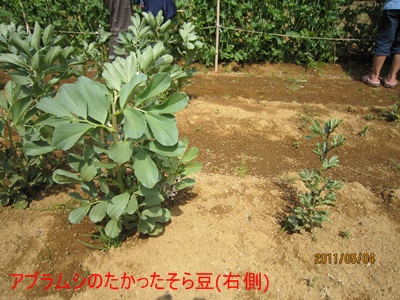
217 36
28 30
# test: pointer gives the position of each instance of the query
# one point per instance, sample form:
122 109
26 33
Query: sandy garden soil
226 228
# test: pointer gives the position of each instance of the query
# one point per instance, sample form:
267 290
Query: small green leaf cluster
36 63
392 114
320 188
123 141
147 29
95 52
32 58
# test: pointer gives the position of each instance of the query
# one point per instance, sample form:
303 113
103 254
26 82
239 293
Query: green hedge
320 18
67 15
261 24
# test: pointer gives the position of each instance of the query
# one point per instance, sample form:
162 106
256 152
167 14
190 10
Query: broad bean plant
123 140
36 63
311 212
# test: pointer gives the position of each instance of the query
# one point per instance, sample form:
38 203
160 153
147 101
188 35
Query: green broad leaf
60 176
174 103
309 137
76 216
145 169
103 185
35 41
153 212
150 201
96 96
134 123
100 150
156 147
129 89
184 183
192 167
37 63
74 160
129 67
78 197
13 60
52 55
88 152
334 161
163 128
90 188
37 148
73 100
113 228
21 45
19 108
189 46
166 59
190 154
67 135
143 191
83 98
146 226
105 165
117 205
198 44
119 65
178 75
98 211
158 229
112 77
4 199
20 204
3 102
121 152
185 142
88 172
146 59
316 128
159 83
67 52
21 78
54 106
165 217
47 35
132 206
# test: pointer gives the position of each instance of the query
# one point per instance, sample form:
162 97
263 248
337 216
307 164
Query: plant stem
115 138
114 120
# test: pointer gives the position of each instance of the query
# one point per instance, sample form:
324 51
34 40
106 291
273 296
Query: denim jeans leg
388 36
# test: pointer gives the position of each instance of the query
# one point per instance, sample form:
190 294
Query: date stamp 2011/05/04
344 258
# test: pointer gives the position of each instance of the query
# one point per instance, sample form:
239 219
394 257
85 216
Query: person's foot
389 84
370 82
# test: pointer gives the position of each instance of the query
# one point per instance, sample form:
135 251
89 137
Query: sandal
369 82
389 84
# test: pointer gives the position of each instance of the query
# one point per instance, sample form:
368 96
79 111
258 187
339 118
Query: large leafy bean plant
36 63
320 189
123 141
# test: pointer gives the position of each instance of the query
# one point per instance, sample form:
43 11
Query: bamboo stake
217 36
28 30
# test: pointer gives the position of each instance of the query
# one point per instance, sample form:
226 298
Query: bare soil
249 123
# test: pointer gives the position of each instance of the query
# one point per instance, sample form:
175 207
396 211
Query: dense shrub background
261 24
